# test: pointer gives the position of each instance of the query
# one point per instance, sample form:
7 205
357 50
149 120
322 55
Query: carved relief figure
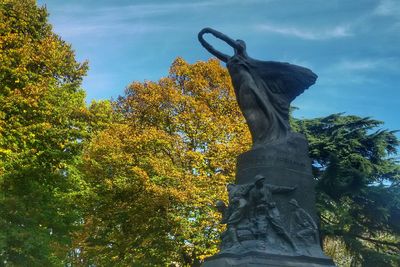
265 209
236 213
302 226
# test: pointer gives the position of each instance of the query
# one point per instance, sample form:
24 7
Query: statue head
240 47
259 180
220 205
230 187
294 203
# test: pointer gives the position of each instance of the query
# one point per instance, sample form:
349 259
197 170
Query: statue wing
284 78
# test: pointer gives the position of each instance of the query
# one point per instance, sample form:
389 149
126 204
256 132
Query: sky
353 46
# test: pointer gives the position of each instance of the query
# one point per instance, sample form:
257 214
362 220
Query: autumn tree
159 167
42 125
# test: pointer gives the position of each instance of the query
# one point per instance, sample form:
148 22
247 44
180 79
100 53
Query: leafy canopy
42 122
159 167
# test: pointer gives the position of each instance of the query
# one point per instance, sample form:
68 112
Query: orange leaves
194 109
174 149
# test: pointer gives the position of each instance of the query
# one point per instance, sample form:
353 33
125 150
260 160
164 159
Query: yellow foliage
170 156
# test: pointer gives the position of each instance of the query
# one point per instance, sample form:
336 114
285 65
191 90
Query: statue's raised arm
264 89
221 56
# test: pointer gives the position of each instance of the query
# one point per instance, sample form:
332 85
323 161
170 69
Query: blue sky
353 46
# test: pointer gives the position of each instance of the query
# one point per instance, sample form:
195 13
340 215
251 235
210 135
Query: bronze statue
264 89
264 227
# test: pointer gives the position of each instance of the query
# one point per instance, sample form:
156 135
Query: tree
42 125
158 169
358 182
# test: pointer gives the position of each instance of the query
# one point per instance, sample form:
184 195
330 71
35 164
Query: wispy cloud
103 21
339 31
150 9
366 64
355 71
388 8
75 20
354 65
71 30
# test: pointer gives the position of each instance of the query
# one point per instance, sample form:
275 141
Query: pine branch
375 241
387 243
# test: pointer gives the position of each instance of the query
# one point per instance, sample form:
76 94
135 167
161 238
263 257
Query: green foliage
42 120
358 185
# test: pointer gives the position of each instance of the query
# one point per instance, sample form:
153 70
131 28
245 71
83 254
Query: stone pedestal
266 260
283 163
271 217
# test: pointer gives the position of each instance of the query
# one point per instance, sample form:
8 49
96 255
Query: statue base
271 217
265 260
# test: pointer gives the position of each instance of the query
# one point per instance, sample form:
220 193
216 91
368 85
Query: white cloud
388 8
68 30
149 9
356 65
365 64
335 32
356 71
76 20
